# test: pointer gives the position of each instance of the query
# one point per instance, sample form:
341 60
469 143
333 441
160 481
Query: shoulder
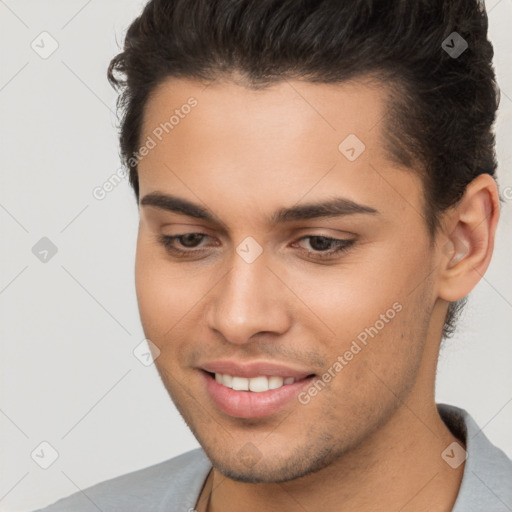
176 481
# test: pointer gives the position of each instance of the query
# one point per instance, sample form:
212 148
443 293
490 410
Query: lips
255 369
244 403
248 404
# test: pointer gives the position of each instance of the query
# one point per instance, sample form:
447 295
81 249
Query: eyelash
342 246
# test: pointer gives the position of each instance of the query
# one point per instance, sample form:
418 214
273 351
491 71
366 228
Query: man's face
249 289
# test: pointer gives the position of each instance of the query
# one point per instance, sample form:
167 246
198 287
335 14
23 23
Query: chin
258 476
297 465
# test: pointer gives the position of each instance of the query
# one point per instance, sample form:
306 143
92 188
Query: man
316 183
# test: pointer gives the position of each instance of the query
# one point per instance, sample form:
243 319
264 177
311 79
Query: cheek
170 302
374 366
373 313
163 296
350 297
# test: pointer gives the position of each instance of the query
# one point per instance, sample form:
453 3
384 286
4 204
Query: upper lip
254 369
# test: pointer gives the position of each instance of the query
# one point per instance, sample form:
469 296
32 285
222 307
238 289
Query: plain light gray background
70 325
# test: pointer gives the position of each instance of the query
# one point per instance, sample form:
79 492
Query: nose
249 300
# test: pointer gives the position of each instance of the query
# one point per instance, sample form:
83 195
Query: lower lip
250 404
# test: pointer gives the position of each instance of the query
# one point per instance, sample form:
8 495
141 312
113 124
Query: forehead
279 144
295 108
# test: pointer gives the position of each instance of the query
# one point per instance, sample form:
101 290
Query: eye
187 241
325 247
322 247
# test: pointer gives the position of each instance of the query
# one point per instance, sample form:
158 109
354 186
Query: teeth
256 384
227 380
275 382
240 384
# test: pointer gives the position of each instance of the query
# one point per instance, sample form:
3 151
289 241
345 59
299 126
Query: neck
398 467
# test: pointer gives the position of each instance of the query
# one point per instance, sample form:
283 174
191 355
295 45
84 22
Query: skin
372 438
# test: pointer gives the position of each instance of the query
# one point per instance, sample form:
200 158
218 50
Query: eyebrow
335 207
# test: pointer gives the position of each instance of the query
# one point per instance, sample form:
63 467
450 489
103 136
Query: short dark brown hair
441 107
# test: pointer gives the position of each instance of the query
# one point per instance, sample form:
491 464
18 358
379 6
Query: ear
469 239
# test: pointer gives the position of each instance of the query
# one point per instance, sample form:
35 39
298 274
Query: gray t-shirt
175 484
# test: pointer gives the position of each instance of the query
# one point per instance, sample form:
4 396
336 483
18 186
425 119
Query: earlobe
470 242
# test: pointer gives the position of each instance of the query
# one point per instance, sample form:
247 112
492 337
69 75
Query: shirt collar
487 479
